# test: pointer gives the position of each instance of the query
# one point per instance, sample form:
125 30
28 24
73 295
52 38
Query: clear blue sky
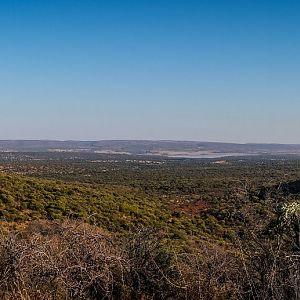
150 69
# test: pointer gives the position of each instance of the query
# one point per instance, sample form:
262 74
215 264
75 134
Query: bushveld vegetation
122 227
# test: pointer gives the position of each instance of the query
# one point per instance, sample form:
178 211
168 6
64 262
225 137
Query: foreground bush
60 261
71 260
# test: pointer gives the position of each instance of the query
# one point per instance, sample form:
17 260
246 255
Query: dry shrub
61 261
210 272
152 273
71 260
274 270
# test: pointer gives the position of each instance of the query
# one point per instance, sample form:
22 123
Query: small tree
289 221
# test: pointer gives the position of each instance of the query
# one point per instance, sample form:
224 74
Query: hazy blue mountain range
145 147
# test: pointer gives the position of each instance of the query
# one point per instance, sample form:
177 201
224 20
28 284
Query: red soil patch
193 208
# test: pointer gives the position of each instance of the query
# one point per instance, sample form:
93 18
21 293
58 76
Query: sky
150 69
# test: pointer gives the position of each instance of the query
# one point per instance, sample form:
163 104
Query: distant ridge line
148 147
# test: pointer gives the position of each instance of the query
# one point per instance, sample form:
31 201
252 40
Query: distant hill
145 147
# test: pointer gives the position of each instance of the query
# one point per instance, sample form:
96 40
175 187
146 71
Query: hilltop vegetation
96 226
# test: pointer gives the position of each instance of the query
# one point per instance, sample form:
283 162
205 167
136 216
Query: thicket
72 260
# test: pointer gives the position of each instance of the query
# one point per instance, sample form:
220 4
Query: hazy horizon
220 71
145 140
